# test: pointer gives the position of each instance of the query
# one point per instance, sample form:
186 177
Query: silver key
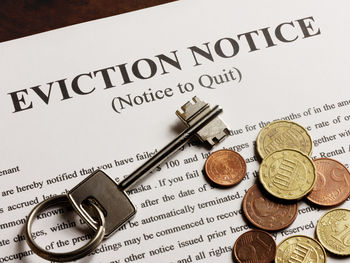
202 121
98 196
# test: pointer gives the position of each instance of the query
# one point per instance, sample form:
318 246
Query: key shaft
169 149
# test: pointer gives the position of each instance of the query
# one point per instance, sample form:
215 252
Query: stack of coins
286 175
286 172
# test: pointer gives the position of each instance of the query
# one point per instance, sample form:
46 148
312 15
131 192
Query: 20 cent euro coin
300 249
287 174
280 135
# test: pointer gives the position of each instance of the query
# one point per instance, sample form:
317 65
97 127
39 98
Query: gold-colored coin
280 135
333 231
287 174
300 249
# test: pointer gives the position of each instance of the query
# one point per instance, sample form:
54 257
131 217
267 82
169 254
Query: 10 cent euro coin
287 174
333 231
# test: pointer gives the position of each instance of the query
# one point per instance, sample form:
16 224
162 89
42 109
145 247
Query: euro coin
333 231
280 135
300 249
287 174
266 212
255 246
332 183
225 167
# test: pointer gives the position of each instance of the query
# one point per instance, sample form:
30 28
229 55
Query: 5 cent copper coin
255 246
267 213
332 183
225 167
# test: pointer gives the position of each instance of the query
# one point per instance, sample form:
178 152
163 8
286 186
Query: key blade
212 133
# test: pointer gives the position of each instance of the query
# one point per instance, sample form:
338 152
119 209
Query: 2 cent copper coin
255 246
225 167
267 213
332 183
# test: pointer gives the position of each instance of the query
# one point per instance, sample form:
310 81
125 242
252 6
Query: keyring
65 256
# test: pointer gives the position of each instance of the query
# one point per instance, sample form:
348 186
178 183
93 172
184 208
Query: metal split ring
94 242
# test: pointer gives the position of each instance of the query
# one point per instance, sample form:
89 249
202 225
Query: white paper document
103 95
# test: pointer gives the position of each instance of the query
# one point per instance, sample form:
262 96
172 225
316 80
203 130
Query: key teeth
190 108
181 116
196 99
211 142
186 105
215 140
227 131
183 108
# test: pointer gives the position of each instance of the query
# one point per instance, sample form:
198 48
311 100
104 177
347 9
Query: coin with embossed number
287 174
280 135
300 249
333 231
255 246
267 213
225 167
332 183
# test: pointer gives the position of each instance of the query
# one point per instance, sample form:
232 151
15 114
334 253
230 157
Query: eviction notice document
103 95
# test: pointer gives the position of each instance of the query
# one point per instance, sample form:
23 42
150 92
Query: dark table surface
27 17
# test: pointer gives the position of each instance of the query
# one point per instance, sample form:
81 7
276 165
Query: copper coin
225 167
255 246
332 183
267 213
